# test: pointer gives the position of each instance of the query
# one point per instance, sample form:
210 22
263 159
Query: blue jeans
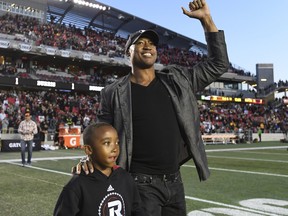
161 195
29 148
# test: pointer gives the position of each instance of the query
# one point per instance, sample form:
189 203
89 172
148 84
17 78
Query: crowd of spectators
50 109
238 117
98 42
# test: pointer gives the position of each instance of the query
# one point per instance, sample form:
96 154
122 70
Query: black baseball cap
141 33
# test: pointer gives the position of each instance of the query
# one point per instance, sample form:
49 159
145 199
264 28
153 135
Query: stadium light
88 4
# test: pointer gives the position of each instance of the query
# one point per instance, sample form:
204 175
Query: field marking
38 168
265 153
43 169
241 171
242 149
43 159
209 150
185 165
229 206
212 150
250 159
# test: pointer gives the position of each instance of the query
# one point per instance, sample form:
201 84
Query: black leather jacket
181 83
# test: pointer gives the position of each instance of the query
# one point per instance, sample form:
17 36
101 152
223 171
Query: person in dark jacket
109 190
157 118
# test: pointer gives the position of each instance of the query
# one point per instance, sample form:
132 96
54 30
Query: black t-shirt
156 134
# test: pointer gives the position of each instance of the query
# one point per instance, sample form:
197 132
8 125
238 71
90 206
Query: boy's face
105 149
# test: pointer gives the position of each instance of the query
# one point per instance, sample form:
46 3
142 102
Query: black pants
161 195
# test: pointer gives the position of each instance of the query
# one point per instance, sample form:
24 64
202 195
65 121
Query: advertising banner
11 145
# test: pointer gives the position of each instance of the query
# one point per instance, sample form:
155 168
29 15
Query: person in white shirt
27 129
2 114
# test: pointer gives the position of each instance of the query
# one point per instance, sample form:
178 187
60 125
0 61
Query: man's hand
199 10
84 165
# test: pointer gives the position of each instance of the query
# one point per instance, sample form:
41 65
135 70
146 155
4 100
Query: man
156 115
27 129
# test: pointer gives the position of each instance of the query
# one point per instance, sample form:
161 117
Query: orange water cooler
70 136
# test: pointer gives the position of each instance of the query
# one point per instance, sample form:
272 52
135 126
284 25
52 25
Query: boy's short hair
89 132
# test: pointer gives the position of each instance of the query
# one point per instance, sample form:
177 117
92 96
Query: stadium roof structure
112 20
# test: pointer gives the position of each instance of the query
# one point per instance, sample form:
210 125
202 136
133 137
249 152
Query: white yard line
242 149
250 159
241 171
265 153
43 169
38 179
229 206
43 159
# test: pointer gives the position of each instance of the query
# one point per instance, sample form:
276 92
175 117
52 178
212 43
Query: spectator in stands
5 124
2 113
27 129
110 190
43 130
259 132
156 115
56 141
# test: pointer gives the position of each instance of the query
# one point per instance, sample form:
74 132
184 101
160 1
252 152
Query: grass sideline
246 179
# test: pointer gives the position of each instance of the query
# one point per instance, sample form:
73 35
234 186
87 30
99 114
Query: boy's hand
84 165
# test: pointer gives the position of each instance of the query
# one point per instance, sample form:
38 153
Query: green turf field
246 179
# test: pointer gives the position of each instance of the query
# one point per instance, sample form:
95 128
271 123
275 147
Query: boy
109 190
